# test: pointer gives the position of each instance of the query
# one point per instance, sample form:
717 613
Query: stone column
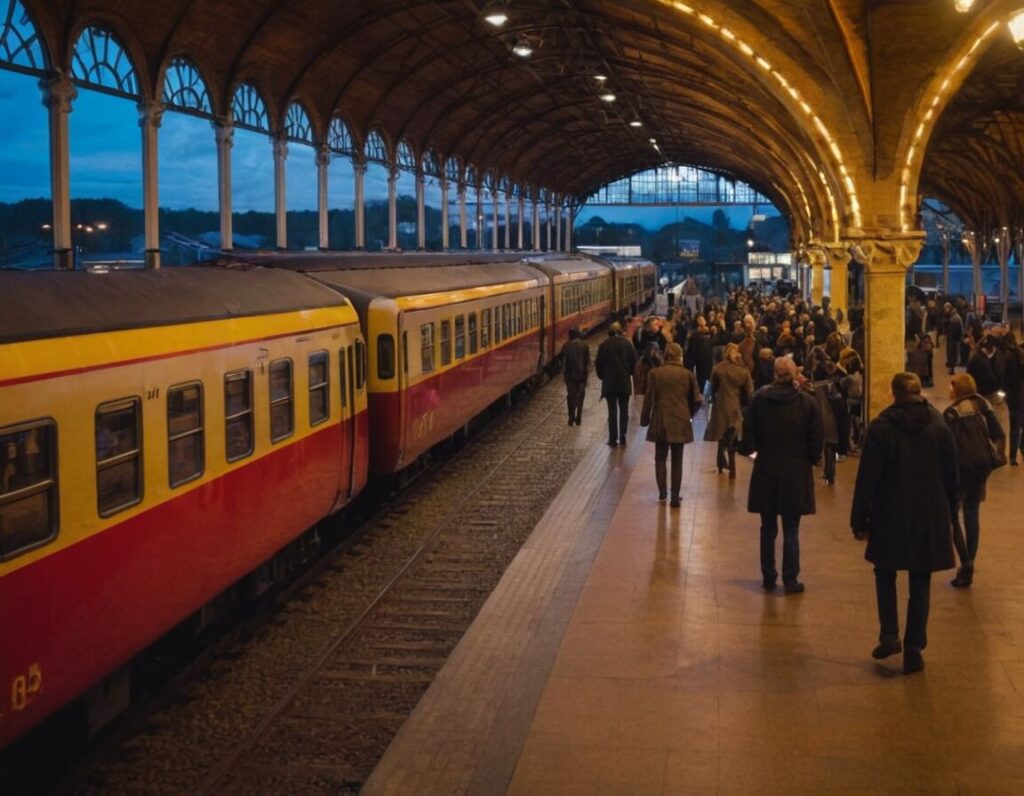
150 116
478 218
359 170
558 228
1003 245
547 224
421 210
535 225
58 95
974 248
494 230
508 220
323 162
569 215
280 195
463 217
522 219
224 131
445 223
839 257
392 207
886 259
817 258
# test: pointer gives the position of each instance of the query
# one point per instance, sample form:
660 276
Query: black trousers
967 549
1016 432
727 451
790 547
916 636
661 451
575 392
830 454
618 417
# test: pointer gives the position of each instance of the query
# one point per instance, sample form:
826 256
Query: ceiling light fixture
495 14
523 47
653 140
963 6
600 78
1016 25
636 123
607 95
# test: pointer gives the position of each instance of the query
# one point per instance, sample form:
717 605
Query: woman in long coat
670 401
732 388
698 352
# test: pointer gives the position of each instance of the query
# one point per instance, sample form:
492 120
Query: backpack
975 450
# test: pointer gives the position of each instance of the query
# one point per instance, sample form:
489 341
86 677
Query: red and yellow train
164 433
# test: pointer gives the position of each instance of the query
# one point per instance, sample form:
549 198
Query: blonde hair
673 352
732 353
963 384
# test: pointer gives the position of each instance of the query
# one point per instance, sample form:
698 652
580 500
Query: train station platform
630 649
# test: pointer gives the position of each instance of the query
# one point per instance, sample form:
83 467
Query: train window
485 328
238 425
28 487
118 455
506 321
282 420
446 342
519 317
497 325
342 380
427 347
472 333
460 337
385 356
319 387
185 433
360 364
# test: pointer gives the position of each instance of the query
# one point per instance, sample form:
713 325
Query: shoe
912 661
885 649
613 443
1013 462
571 421
732 475
662 497
720 470
579 422
675 502
964 578
622 442
768 584
793 588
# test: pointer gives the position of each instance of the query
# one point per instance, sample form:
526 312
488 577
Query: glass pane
280 380
446 342
343 380
385 356
118 486
184 409
185 458
427 347
460 337
318 405
116 431
317 370
280 420
237 393
25 522
238 442
26 458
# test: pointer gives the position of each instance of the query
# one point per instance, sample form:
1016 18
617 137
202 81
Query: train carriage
580 295
140 413
445 342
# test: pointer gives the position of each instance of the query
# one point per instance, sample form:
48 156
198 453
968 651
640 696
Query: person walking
615 363
906 484
785 428
575 371
650 360
954 329
671 399
732 389
977 436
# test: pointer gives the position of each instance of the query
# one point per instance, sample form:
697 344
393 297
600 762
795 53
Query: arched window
100 61
453 169
185 89
488 182
431 164
406 158
339 138
19 41
471 179
375 150
249 110
296 125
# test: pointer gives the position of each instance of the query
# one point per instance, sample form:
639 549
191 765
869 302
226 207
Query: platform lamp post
84 228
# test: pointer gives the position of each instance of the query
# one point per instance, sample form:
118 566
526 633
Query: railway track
307 699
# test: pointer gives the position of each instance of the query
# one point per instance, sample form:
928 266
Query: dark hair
574 333
905 385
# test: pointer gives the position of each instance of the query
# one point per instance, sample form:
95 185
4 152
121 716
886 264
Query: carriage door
348 397
542 320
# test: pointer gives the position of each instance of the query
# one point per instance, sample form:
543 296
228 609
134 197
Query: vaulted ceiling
810 101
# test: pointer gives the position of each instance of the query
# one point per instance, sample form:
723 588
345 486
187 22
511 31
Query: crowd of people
782 381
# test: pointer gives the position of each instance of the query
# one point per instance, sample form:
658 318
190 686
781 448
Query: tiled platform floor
630 650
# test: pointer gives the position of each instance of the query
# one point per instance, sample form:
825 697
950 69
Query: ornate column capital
224 131
59 92
886 251
151 113
280 144
323 156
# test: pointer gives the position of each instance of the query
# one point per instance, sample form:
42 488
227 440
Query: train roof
314 262
46 304
567 265
424 281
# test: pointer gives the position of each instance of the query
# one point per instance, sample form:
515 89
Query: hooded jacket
906 483
785 425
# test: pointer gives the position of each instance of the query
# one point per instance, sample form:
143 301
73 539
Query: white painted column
421 210
547 223
536 224
359 169
494 229
558 227
508 221
568 228
323 162
478 218
280 195
522 218
58 95
445 232
392 207
463 217
224 131
150 117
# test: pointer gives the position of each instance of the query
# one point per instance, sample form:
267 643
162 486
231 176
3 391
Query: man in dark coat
906 483
954 335
575 370
785 425
616 359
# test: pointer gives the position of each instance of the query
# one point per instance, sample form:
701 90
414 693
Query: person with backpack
979 439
